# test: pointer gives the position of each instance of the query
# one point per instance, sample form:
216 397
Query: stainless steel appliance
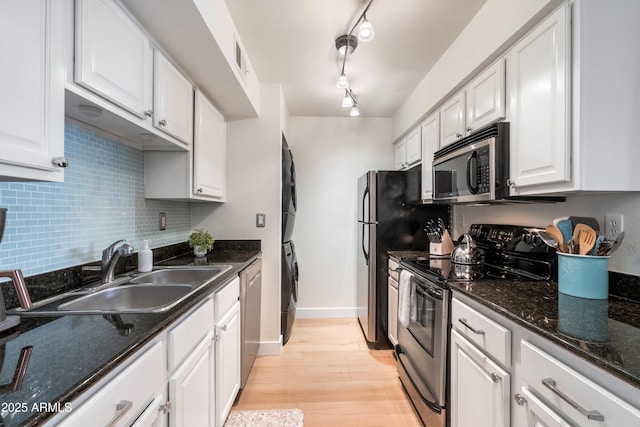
250 302
507 253
388 219
289 263
475 169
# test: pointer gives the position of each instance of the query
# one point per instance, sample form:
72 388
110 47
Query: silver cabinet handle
495 377
520 399
458 135
550 383
148 113
121 408
60 162
469 129
166 408
474 330
224 328
200 190
162 122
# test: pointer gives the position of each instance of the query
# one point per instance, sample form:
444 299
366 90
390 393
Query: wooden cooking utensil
586 238
557 235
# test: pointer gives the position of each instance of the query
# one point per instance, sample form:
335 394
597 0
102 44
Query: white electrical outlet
612 226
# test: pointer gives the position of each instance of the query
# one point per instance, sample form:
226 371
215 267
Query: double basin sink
153 292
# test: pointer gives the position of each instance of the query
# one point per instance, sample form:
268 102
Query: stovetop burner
509 252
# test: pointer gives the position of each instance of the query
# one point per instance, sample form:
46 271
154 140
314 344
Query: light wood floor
327 370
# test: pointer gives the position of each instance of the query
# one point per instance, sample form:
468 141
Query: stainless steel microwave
475 168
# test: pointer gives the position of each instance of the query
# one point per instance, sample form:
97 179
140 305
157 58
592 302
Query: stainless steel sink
130 299
152 292
179 276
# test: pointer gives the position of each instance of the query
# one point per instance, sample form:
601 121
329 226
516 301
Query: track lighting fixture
349 99
366 34
343 81
346 45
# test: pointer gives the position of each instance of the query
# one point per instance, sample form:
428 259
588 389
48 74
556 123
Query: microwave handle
473 190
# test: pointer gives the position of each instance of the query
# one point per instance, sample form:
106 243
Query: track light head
365 33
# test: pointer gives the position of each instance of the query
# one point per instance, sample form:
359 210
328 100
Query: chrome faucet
110 258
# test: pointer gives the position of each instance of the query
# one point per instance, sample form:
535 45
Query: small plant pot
198 253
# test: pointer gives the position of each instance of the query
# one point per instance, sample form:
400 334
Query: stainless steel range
507 253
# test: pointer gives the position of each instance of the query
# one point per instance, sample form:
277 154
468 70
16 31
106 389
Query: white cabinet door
113 56
538 69
156 413
191 389
172 100
537 412
227 362
414 147
452 120
485 97
31 90
401 153
480 389
430 144
210 151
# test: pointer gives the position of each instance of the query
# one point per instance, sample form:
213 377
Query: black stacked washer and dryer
289 263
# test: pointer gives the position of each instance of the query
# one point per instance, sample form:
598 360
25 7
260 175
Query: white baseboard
270 348
327 313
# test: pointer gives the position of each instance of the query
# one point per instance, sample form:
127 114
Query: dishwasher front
250 302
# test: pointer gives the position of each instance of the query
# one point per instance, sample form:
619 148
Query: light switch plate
260 220
162 221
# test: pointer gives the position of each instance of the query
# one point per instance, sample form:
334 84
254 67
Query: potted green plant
201 241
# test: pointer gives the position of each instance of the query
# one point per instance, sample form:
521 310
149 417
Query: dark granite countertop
66 355
604 332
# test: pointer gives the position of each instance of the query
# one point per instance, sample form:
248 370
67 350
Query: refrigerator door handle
364 249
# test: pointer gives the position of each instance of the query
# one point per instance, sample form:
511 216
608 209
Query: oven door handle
423 388
425 290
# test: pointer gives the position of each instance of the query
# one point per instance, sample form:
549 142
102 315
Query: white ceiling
291 42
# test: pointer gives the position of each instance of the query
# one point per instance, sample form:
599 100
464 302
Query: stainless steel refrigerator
390 217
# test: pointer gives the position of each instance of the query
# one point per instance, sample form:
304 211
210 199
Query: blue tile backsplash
51 226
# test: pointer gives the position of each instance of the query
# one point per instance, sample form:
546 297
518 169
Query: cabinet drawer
183 338
226 297
570 393
128 394
488 335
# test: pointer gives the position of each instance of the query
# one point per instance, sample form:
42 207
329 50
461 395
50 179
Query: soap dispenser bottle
145 258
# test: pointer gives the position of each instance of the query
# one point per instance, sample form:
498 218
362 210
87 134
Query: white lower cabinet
227 361
480 389
480 359
550 389
192 387
128 396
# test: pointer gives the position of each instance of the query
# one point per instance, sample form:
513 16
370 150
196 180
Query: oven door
422 351
466 174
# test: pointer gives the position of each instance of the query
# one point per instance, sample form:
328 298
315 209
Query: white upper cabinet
486 97
172 100
430 144
31 91
408 150
452 120
400 149
209 152
114 57
199 174
539 109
